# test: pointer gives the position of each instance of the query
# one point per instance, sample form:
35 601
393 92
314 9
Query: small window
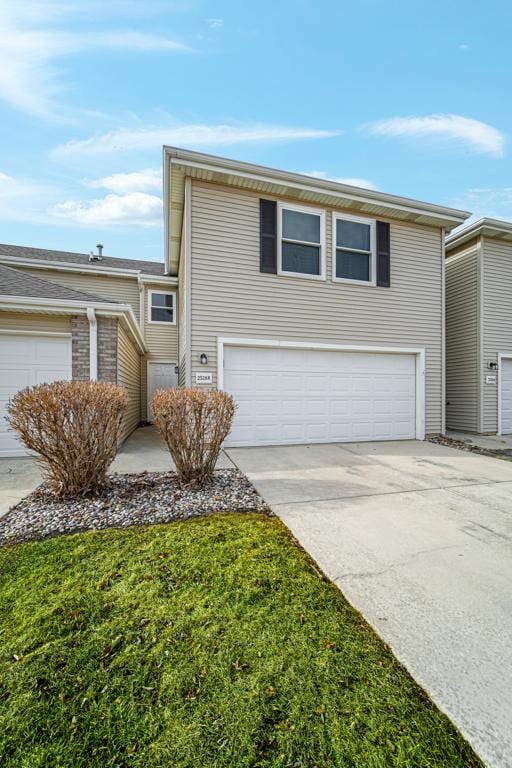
354 249
161 307
301 242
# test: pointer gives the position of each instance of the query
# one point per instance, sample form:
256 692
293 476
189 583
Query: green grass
209 643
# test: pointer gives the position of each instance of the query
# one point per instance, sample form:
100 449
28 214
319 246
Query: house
318 305
479 328
71 315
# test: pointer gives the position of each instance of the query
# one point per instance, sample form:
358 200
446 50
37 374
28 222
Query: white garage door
506 396
27 360
316 396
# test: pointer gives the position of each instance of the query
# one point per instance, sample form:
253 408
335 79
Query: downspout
93 344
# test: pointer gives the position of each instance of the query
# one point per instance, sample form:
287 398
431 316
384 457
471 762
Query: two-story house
479 328
318 305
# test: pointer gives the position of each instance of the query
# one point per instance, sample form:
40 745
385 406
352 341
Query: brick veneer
107 348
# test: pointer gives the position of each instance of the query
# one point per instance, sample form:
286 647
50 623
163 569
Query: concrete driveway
419 539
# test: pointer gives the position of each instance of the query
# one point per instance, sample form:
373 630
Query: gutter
61 266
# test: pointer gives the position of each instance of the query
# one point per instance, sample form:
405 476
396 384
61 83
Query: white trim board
419 352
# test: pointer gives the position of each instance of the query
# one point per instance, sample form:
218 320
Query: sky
407 97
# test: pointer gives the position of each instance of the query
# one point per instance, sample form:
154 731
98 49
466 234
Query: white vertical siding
231 297
128 376
497 337
462 331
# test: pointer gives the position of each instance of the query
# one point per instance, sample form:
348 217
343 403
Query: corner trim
93 344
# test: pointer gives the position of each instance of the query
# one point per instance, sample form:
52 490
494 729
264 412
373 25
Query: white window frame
150 306
301 209
338 216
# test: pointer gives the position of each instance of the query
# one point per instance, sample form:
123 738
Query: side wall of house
231 297
497 336
161 340
124 290
462 339
128 376
32 321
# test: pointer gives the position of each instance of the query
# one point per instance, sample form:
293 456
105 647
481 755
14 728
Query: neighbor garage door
506 396
27 360
313 396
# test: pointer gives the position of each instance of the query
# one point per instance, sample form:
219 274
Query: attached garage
505 395
26 360
298 394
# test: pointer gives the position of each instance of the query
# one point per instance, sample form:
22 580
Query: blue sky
409 98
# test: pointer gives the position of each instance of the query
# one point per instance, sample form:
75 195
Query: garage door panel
298 395
24 361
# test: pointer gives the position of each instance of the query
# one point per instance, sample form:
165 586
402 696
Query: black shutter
383 255
268 244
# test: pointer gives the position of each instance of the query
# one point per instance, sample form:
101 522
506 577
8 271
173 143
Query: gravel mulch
462 445
128 500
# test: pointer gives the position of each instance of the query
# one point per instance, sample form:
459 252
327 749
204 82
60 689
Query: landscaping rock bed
128 500
462 445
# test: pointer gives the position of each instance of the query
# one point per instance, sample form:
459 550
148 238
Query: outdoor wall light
204 359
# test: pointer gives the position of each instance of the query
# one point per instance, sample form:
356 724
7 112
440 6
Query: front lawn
209 643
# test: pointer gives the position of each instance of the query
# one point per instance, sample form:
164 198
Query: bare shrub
194 423
74 428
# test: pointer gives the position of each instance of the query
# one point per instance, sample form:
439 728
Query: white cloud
21 199
133 139
215 23
496 203
30 48
353 181
136 181
477 136
133 209
464 47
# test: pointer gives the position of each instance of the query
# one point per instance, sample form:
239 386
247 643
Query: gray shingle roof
22 252
15 282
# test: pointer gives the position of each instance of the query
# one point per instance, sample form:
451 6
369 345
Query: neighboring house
70 315
479 328
319 306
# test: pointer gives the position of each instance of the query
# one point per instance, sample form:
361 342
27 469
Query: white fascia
32 304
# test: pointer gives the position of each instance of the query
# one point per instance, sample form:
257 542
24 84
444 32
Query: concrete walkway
143 451
419 538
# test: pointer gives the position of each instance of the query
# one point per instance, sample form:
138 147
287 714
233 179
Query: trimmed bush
194 423
74 427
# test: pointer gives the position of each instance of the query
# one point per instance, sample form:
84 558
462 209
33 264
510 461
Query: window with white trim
161 307
301 241
354 249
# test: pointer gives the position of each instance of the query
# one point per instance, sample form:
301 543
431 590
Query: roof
67 257
496 228
182 163
15 282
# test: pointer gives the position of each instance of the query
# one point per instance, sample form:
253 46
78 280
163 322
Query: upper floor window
354 249
301 238
161 307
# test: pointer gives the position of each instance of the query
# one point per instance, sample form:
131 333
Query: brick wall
80 347
107 348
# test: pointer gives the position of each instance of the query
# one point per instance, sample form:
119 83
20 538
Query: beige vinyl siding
161 340
128 376
462 334
32 321
497 336
124 290
230 297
